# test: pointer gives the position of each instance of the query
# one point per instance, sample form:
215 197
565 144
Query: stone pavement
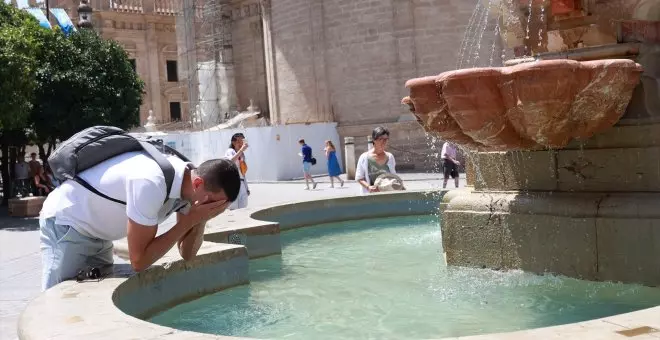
20 263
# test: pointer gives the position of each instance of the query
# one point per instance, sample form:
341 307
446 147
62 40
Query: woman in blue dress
333 164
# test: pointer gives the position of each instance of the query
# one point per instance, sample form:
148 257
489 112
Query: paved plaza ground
20 263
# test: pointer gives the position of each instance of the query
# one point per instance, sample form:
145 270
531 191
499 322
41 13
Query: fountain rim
80 310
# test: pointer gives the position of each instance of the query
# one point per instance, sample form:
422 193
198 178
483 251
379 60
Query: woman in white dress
236 153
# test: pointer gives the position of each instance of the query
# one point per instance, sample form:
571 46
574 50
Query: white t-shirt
229 154
22 170
362 169
132 177
448 149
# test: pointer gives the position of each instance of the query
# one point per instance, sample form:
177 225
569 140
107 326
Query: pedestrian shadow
4 226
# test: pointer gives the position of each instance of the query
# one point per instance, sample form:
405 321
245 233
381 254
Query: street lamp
84 14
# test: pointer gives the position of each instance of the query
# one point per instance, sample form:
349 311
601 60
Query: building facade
306 61
297 61
146 29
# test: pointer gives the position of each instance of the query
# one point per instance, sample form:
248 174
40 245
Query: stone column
317 27
226 81
269 62
349 156
154 73
370 143
469 172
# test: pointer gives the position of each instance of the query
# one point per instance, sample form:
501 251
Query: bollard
349 156
370 143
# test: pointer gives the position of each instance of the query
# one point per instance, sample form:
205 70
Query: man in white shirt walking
22 174
449 164
78 225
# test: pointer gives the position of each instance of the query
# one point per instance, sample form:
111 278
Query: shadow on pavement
18 224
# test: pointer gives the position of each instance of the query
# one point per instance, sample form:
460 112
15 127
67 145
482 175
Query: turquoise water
385 279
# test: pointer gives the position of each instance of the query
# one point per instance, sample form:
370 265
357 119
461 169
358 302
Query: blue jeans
64 252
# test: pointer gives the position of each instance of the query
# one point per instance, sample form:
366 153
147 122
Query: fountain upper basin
543 104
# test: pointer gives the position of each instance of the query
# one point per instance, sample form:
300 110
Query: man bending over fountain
78 225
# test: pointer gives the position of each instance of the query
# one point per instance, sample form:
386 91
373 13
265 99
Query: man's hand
373 188
201 212
190 243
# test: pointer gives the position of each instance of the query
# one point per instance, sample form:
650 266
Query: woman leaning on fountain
375 162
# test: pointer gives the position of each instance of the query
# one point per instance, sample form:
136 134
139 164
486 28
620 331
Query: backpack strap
92 189
163 163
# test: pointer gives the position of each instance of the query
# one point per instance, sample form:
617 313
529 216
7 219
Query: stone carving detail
526 106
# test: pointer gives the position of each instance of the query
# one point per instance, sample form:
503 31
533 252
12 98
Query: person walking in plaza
236 153
449 164
127 196
307 160
375 162
333 164
22 176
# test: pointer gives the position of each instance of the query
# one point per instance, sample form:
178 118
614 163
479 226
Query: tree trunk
42 153
6 180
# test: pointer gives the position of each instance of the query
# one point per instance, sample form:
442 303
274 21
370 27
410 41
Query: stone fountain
563 144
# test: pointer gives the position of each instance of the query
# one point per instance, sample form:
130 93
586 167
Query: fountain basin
109 309
530 106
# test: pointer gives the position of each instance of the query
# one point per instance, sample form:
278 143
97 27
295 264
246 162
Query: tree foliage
93 83
52 86
18 64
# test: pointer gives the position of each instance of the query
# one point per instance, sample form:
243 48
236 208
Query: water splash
483 25
529 21
466 35
498 37
541 20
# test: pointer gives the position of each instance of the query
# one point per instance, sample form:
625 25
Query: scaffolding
205 53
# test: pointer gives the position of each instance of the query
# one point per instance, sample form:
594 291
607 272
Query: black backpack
94 145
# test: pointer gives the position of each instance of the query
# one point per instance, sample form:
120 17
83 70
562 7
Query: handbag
243 167
313 161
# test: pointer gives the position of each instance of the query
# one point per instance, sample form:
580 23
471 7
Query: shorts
449 169
307 167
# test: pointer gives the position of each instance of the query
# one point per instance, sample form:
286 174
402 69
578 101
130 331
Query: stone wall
248 55
348 61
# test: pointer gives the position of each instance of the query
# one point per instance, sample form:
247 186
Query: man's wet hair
220 174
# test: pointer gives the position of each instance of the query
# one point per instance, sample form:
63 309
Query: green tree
83 80
52 86
18 49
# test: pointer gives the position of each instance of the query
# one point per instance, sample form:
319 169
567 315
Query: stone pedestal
349 156
26 206
590 211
